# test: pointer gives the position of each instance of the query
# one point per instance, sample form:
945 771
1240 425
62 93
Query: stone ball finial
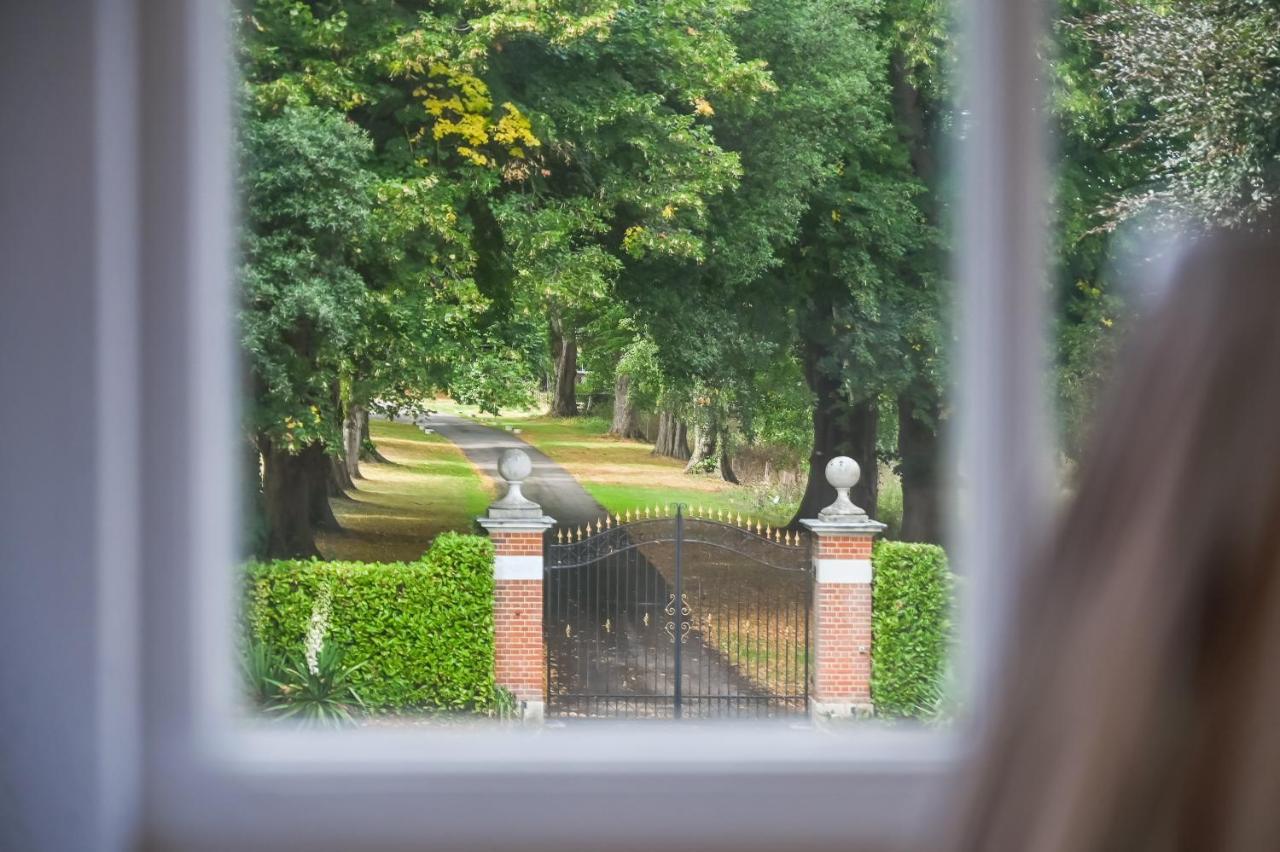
514 465
842 473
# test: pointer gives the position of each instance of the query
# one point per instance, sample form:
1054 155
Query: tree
627 161
1199 82
808 252
308 200
918 55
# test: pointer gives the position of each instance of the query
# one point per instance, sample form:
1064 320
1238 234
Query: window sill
688 786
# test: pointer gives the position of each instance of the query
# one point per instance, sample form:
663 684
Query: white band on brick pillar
843 534
516 525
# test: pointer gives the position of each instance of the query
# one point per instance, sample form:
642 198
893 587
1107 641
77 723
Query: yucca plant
262 673
505 705
319 695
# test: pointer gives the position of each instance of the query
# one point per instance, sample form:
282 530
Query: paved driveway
550 485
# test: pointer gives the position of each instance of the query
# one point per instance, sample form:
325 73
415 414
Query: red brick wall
519 664
842 628
519 661
842 642
517 543
844 547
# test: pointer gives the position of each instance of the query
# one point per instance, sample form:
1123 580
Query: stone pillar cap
843 516
514 466
852 526
541 523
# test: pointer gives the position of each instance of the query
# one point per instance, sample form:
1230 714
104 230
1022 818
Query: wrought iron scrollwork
670 626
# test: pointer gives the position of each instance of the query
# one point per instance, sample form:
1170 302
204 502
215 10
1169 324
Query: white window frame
205 784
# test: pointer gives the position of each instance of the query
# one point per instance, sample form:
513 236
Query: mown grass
624 475
735 500
428 487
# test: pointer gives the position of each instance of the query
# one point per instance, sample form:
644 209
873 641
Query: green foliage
308 205
889 504
639 360
1165 114
821 256
492 381
311 688
1198 82
319 695
421 633
911 627
505 705
261 673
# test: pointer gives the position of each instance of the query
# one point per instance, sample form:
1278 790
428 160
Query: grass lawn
398 508
625 475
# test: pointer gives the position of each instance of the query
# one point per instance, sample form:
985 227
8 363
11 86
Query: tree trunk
623 414
704 445
564 401
673 437
724 465
919 408
679 439
368 450
286 496
351 436
911 114
626 424
662 442
838 430
918 426
320 486
339 479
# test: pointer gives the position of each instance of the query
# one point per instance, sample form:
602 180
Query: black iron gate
671 615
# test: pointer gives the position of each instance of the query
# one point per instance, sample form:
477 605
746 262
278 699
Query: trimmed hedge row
423 631
910 628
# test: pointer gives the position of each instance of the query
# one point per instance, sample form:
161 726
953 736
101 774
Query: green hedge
422 630
911 627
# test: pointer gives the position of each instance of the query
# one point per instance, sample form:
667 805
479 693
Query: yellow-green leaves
462 112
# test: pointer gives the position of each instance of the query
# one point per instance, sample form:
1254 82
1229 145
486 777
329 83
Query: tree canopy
731 213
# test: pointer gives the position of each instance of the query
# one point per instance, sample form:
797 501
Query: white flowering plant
318 691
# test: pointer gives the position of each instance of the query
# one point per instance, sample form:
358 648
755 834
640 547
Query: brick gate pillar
516 525
842 537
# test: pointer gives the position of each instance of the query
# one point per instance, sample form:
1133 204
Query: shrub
418 635
888 509
262 672
319 692
911 628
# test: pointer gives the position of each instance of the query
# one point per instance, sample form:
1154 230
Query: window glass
561 326
1164 118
